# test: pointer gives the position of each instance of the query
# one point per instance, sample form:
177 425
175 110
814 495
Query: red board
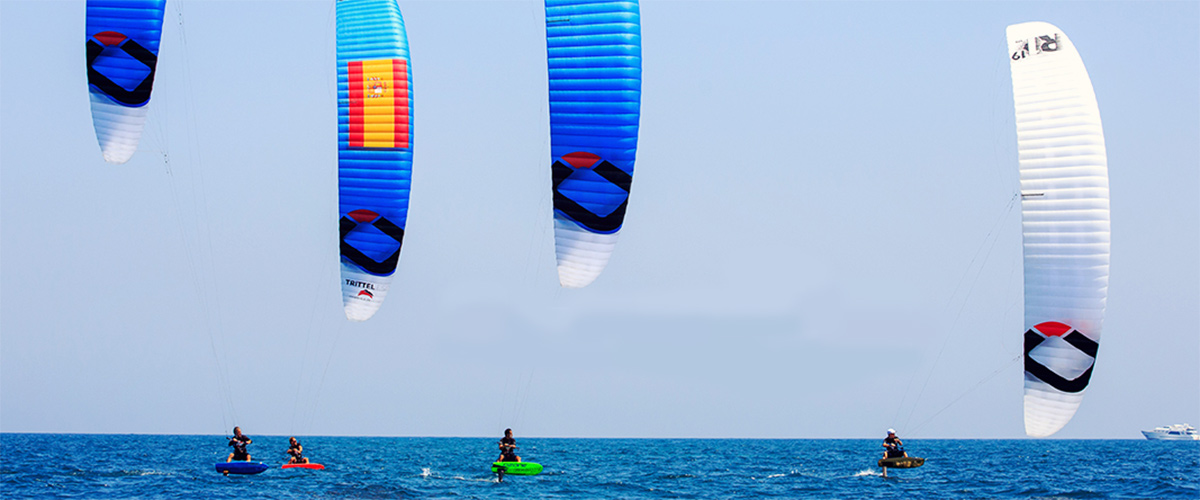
304 466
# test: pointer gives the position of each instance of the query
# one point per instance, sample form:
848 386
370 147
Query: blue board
241 467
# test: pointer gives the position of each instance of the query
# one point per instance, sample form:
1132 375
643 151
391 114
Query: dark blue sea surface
145 466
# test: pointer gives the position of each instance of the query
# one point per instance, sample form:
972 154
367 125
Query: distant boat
1177 432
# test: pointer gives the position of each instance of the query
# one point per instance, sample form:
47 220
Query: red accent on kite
400 102
109 38
355 70
364 292
1052 328
581 159
363 215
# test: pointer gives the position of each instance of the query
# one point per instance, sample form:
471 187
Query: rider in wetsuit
893 447
296 451
239 442
508 448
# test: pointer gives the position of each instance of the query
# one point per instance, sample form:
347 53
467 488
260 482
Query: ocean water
149 466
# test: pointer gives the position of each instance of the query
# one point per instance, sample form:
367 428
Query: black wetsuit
509 454
239 447
895 448
297 458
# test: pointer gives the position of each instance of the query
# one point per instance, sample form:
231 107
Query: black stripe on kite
583 216
140 94
388 265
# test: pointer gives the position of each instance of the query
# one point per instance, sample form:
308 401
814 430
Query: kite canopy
122 54
374 148
594 53
1064 209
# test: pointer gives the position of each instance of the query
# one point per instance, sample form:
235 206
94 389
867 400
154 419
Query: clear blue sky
821 206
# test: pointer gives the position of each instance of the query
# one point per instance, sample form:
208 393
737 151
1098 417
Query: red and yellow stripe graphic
379 103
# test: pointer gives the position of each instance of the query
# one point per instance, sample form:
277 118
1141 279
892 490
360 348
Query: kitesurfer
893 447
239 442
508 448
296 451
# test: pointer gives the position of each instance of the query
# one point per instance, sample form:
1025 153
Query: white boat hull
1163 436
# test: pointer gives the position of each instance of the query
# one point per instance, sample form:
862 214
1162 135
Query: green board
517 468
902 462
